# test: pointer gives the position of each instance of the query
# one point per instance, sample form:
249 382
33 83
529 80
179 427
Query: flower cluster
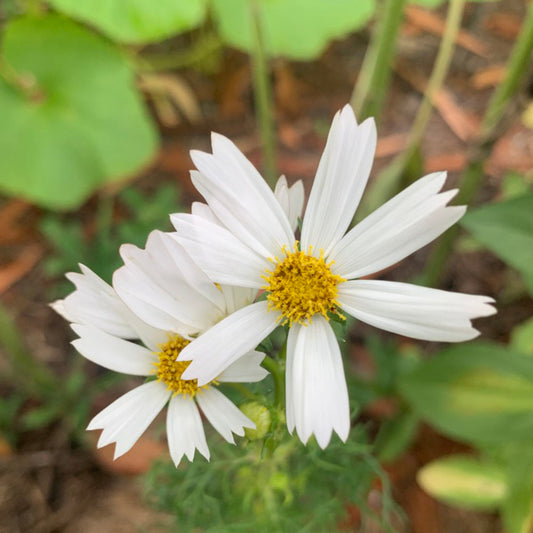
189 310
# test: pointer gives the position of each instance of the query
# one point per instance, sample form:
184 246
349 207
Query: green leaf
522 337
506 228
464 481
515 184
517 509
395 436
136 21
477 392
436 3
71 117
298 29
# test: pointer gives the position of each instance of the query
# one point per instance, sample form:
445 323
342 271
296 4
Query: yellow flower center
301 286
169 371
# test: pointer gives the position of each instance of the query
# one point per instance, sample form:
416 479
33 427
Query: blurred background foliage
88 90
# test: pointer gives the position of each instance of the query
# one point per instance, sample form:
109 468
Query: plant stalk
279 381
472 177
263 97
374 78
387 183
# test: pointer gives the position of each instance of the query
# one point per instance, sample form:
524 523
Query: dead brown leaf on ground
463 123
433 23
17 269
488 77
503 24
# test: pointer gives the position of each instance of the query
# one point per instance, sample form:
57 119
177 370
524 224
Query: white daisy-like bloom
305 281
163 284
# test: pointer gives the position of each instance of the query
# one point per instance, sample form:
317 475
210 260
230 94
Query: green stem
29 373
388 181
472 177
263 97
279 380
440 70
373 81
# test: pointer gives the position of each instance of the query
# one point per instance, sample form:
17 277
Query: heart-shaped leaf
71 117
136 21
299 29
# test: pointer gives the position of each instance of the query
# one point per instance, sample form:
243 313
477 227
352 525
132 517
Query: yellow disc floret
169 371
301 286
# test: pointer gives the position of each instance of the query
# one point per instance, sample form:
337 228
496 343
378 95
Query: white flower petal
222 414
398 228
237 297
151 337
413 311
127 418
291 199
165 278
219 253
340 181
241 198
246 369
199 209
94 302
317 395
185 431
233 337
112 352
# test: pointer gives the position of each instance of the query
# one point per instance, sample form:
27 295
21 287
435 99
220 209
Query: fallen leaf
16 270
488 77
463 123
391 145
137 461
512 151
11 214
175 90
452 162
429 21
503 24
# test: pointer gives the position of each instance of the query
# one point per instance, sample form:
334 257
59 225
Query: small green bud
260 415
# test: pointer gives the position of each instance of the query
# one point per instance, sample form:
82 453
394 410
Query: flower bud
260 415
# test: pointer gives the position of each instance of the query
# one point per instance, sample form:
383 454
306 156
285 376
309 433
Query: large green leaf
464 481
299 29
71 117
522 337
136 21
506 228
517 509
477 392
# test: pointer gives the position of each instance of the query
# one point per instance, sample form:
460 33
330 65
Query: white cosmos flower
304 282
163 284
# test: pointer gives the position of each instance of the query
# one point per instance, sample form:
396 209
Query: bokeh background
100 103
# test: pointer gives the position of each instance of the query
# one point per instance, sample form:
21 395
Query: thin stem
388 181
472 177
279 381
373 81
263 96
440 70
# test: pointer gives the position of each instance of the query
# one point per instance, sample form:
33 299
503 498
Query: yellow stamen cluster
169 371
301 286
